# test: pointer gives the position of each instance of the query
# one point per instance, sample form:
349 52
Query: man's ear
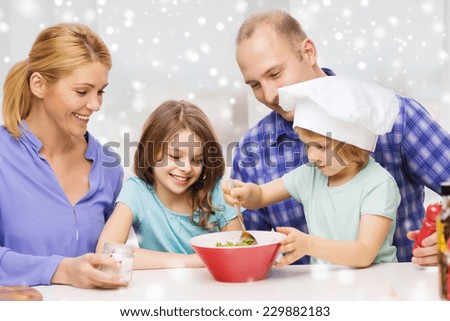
38 85
309 51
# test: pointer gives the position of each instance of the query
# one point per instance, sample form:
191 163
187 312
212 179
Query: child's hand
194 261
293 246
237 194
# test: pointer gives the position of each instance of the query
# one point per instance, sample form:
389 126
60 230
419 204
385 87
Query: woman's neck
54 141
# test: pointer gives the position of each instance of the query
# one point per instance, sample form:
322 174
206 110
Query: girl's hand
84 272
426 255
194 261
293 246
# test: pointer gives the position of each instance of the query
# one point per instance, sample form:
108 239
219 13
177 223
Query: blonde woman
57 189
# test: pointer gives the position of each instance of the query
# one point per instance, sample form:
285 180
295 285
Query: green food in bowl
245 242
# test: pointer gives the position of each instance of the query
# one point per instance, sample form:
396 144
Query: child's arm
254 196
148 259
233 225
117 229
373 230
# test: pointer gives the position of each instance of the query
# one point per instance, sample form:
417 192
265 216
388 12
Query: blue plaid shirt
416 153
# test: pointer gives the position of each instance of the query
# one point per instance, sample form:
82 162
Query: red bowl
238 263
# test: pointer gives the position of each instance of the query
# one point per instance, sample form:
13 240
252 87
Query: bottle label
441 242
443 236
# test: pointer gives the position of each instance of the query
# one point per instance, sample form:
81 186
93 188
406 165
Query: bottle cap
445 188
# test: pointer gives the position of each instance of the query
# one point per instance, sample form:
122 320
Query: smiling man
273 51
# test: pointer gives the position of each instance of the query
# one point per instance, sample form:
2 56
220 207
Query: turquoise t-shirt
160 229
334 212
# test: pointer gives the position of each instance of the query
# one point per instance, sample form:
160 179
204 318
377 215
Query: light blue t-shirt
334 212
160 229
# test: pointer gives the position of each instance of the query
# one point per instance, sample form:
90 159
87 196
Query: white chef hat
353 111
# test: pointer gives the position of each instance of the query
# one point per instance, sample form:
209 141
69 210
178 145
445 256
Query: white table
393 281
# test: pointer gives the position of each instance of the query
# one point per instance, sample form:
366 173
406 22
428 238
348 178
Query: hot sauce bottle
429 223
443 242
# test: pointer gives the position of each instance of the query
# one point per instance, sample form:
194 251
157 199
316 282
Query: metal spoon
245 236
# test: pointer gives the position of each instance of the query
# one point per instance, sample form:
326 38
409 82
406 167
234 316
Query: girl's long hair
57 51
168 119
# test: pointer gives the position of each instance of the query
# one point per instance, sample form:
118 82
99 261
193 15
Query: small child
350 201
176 194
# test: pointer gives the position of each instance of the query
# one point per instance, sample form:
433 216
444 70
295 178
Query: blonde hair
163 124
57 51
349 152
281 22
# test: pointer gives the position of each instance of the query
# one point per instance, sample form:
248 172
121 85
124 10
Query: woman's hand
426 255
84 272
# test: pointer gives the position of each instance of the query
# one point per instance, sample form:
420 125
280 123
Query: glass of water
122 253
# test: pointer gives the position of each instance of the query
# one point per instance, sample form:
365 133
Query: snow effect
184 49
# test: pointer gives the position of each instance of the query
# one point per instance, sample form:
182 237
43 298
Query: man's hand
426 255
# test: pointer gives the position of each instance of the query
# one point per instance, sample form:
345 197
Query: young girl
176 193
350 201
